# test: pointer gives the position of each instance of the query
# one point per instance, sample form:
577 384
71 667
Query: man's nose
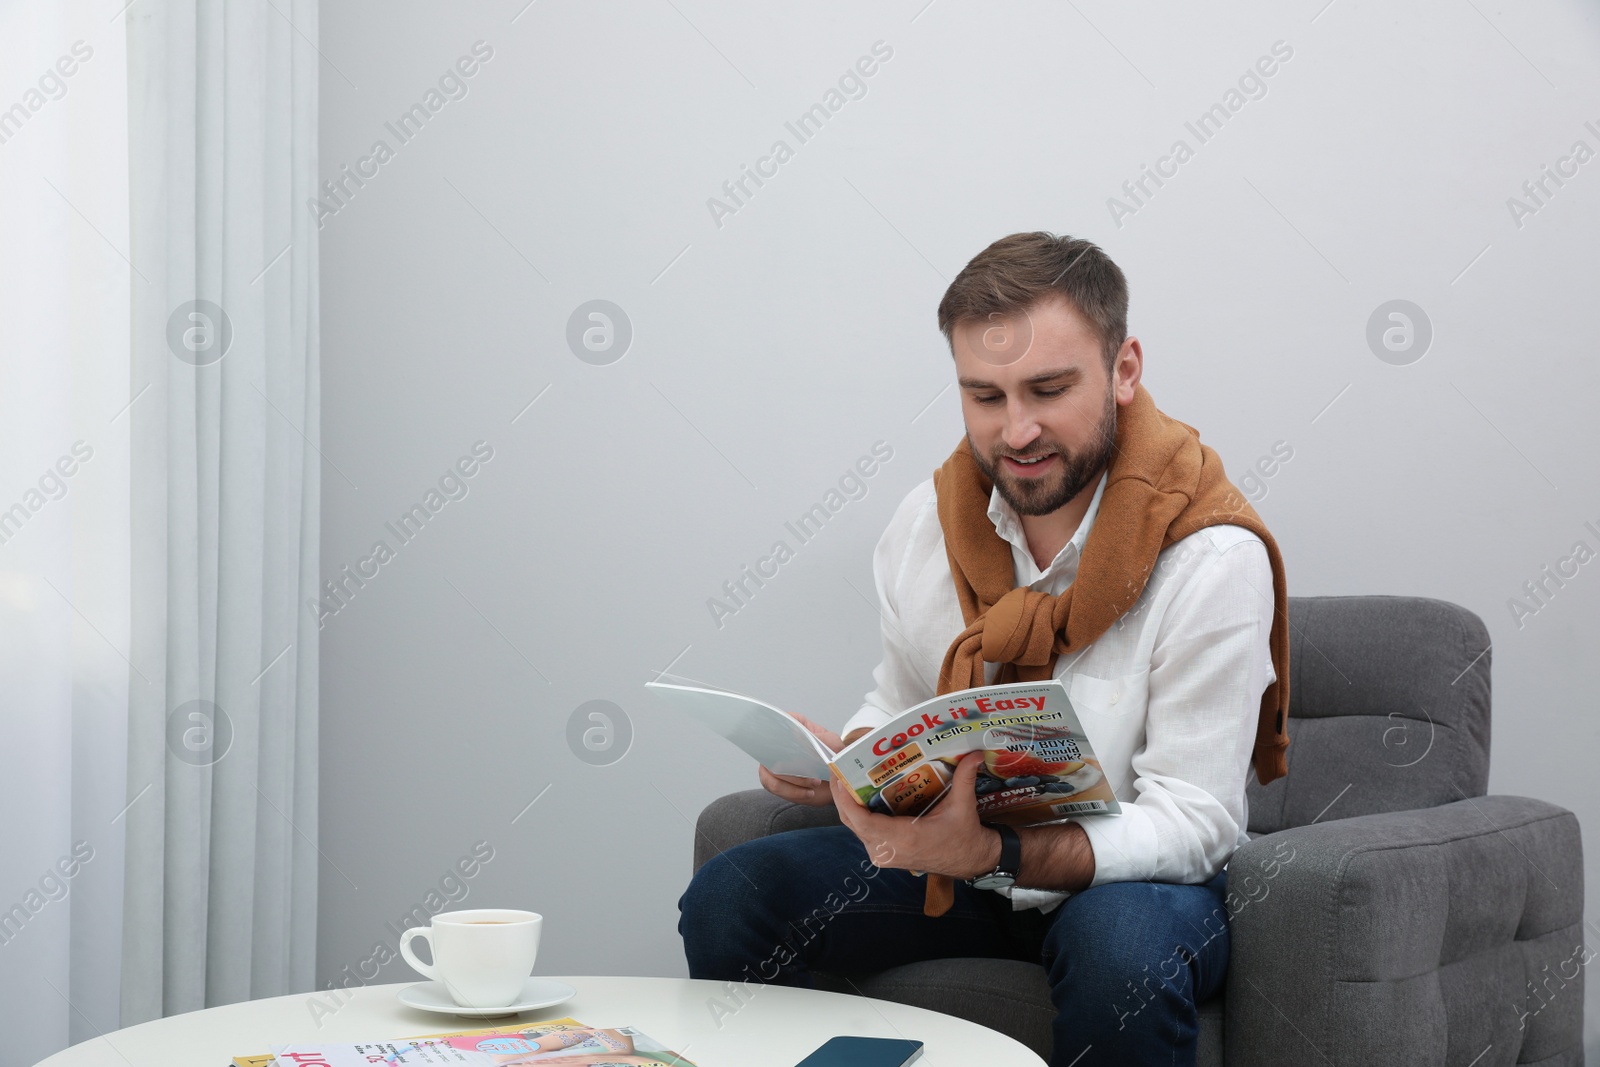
1021 426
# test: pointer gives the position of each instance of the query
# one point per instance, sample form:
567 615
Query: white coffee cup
482 957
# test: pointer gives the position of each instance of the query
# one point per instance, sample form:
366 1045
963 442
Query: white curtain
64 513
158 512
221 871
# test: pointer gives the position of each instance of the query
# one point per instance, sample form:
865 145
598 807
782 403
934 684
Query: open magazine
1038 765
559 1043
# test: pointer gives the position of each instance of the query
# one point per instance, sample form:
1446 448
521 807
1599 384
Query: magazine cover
557 1043
1038 763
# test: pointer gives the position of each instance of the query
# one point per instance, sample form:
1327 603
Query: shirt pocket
1112 711
1110 698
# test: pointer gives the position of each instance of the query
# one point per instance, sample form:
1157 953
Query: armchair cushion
1389 692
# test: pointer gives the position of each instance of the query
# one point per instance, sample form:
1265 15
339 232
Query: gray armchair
1385 911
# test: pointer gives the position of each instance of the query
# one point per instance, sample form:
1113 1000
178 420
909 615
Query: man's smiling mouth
1029 465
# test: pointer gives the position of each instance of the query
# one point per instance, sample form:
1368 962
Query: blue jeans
1127 961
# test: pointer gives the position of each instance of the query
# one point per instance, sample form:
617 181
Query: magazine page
771 736
1038 765
541 1043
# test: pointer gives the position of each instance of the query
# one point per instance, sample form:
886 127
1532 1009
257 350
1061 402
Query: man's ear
1127 370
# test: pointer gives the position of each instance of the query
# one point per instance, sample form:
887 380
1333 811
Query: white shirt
1169 696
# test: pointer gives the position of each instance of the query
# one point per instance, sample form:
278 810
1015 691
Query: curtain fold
221 872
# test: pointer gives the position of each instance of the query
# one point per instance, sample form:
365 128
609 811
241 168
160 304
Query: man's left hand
945 839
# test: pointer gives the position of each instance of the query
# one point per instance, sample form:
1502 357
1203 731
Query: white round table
776 1026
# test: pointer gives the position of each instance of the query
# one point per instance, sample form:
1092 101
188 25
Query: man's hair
1017 271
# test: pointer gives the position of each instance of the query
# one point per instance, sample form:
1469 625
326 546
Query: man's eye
1050 394
993 398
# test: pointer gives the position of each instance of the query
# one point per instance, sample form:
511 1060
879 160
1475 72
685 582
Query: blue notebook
864 1052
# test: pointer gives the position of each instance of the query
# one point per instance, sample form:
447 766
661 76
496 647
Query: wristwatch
1005 872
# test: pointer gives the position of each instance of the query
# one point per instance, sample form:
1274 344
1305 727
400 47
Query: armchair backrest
1388 710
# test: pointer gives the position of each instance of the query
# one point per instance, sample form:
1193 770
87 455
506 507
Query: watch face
993 880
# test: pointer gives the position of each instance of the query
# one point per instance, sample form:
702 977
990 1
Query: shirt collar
1009 526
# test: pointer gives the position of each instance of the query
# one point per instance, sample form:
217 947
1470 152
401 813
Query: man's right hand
797 788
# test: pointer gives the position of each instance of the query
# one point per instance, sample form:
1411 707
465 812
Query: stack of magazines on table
559 1042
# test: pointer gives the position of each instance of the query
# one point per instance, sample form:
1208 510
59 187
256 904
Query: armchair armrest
1419 937
744 816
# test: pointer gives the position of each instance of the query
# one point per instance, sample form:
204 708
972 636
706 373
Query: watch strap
1010 849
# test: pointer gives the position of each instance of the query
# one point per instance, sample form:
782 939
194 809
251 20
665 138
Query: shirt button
1114 697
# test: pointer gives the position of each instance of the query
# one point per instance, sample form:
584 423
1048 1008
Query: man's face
1039 406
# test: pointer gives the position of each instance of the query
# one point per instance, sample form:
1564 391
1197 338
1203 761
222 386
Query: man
1059 540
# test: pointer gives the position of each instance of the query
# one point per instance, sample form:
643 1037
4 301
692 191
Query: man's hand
945 839
797 788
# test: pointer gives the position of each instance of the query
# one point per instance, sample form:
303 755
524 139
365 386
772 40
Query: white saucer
536 993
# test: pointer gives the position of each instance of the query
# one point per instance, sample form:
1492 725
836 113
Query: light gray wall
772 350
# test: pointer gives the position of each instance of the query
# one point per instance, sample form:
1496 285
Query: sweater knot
1020 629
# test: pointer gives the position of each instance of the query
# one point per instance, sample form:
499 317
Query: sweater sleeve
1209 667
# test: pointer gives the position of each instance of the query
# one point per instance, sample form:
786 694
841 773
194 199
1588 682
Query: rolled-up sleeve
1209 667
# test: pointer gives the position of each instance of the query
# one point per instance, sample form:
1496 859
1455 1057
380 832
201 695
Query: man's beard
1041 496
